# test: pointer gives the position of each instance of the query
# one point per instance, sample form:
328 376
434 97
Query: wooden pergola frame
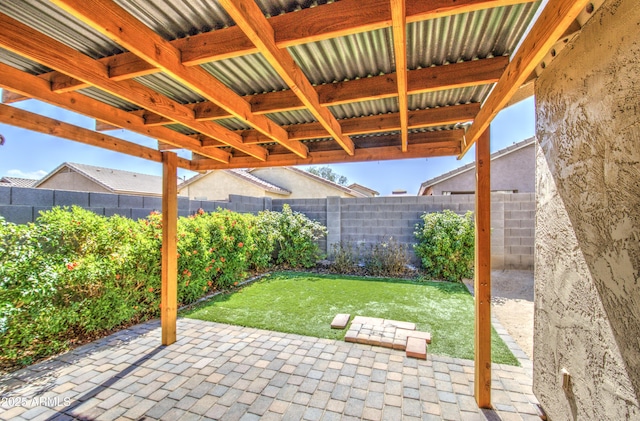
266 143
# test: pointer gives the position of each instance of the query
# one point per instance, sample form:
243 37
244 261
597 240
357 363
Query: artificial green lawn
306 303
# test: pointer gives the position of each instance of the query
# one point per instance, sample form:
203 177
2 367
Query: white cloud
34 175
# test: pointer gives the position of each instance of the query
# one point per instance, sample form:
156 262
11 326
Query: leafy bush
295 237
446 245
73 275
386 259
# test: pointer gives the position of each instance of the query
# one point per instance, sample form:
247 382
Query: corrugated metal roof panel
169 87
247 75
292 117
463 37
109 99
457 96
345 58
181 129
365 108
45 17
21 63
232 124
173 19
180 18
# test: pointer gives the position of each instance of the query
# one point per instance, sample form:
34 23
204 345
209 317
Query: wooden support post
169 299
483 272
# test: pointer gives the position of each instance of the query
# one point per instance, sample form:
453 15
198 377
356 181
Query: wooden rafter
399 27
375 124
9 97
38 123
25 41
313 24
250 19
552 23
430 79
117 24
421 145
32 86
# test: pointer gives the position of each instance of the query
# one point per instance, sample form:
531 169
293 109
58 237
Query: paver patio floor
218 371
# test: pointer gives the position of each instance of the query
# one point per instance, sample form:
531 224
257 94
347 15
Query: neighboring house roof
363 189
325 181
499 154
116 181
17 182
244 175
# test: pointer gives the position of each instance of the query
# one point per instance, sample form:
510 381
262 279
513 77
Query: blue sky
32 155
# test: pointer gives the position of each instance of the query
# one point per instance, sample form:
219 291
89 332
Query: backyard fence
363 221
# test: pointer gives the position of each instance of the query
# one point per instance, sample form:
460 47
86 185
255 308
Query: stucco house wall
514 171
217 185
300 186
587 255
72 181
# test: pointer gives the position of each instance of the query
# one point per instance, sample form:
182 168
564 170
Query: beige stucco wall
218 185
515 171
72 181
301 187
587 255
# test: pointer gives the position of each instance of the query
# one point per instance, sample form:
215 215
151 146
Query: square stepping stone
386 341
400 325
340 321
351 336
416 348
368 320
405 334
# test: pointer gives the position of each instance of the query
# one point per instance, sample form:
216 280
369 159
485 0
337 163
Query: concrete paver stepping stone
385 333
368 320
351 335
404 333
400 325
416 348
340 321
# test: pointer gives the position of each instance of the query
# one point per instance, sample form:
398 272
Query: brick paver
217 371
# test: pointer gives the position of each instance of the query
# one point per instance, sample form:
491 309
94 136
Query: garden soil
512 304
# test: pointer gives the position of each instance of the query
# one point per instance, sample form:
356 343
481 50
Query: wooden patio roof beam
421 145
552 23
290 29
254 24
399 29
38 123
32 86
27 42
117 24
430 79
375 124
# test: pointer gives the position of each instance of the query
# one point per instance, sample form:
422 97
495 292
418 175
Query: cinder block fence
362 221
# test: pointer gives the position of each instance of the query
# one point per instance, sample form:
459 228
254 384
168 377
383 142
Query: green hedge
446 244
73 274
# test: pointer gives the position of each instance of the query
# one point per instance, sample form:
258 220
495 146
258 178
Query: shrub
386 259
73 275
295 237
344 257
446 245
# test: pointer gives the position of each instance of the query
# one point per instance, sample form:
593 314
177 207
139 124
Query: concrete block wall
363 221
23 205
366 221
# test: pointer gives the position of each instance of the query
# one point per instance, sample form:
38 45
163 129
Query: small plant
446 245
386 259
344 257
